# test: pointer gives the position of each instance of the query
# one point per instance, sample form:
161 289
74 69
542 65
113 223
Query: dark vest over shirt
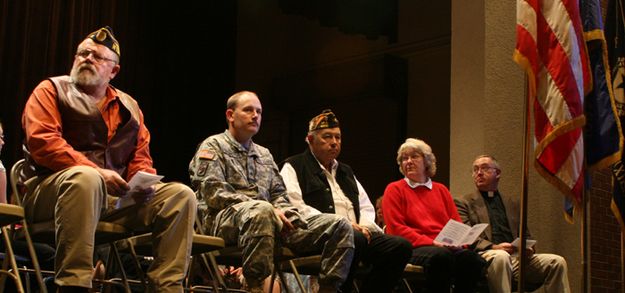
316 190
86 131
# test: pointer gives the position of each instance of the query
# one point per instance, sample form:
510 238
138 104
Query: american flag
551 49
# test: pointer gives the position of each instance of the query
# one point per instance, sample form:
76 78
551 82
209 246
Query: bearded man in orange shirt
85 140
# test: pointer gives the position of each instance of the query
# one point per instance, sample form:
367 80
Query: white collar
413 185
335 164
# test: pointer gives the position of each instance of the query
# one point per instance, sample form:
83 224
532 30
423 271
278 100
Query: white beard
85 76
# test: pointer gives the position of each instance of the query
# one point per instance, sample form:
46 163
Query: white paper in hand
456 234
141 180
529 243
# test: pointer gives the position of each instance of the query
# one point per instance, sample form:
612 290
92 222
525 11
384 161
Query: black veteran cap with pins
326 119
104 36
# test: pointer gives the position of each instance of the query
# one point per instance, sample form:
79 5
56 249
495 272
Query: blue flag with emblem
603 141
615 36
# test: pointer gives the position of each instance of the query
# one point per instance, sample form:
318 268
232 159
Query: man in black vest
317 183
85 140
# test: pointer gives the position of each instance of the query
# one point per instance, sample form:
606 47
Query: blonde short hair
422 149
233 100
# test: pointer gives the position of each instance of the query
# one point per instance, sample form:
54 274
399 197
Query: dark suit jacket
472 210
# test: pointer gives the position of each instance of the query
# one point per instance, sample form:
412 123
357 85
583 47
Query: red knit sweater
417 214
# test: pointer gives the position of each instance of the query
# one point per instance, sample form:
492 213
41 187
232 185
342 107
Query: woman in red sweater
417 209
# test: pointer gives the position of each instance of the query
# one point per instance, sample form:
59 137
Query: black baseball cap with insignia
105 36
326 119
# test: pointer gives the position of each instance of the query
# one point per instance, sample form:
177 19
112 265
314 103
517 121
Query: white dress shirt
342 205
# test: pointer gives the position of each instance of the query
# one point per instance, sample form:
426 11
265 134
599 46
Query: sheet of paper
140 181
529 243
143 180
452 233
474 233
456 234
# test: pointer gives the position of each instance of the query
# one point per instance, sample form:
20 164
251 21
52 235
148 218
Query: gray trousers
544 270
254 227
76 199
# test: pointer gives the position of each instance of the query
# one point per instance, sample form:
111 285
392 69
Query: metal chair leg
121 267
297 276
215 276
34 259
215 266
407 284
11 257
135 258
27 281
284 283
4 272
113 258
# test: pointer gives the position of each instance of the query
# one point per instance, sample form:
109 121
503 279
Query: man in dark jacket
487 205
317 183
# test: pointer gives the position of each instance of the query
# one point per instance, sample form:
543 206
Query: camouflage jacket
224 173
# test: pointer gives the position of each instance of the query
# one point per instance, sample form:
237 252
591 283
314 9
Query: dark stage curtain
177 61
372 18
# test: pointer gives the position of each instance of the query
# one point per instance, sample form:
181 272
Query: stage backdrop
177 61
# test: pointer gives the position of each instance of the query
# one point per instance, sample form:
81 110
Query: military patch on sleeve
201 170
206 154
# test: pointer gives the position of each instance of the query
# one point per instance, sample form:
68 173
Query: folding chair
106 232
302 265
412 274
285 261
228 256
142 245
11 214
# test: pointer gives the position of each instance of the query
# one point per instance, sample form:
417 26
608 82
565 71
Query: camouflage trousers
254 227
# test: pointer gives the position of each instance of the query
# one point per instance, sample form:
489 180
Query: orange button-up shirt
44 132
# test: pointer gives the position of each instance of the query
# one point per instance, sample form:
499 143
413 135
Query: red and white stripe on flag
551 48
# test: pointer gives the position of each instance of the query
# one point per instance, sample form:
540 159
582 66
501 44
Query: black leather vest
315 188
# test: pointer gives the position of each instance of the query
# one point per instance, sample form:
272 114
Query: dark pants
45 256
442 266
386 256
44 252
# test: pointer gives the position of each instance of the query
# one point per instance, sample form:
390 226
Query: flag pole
584 232
622 262
524 178
619 16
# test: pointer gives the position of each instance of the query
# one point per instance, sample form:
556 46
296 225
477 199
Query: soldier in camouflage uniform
243 200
